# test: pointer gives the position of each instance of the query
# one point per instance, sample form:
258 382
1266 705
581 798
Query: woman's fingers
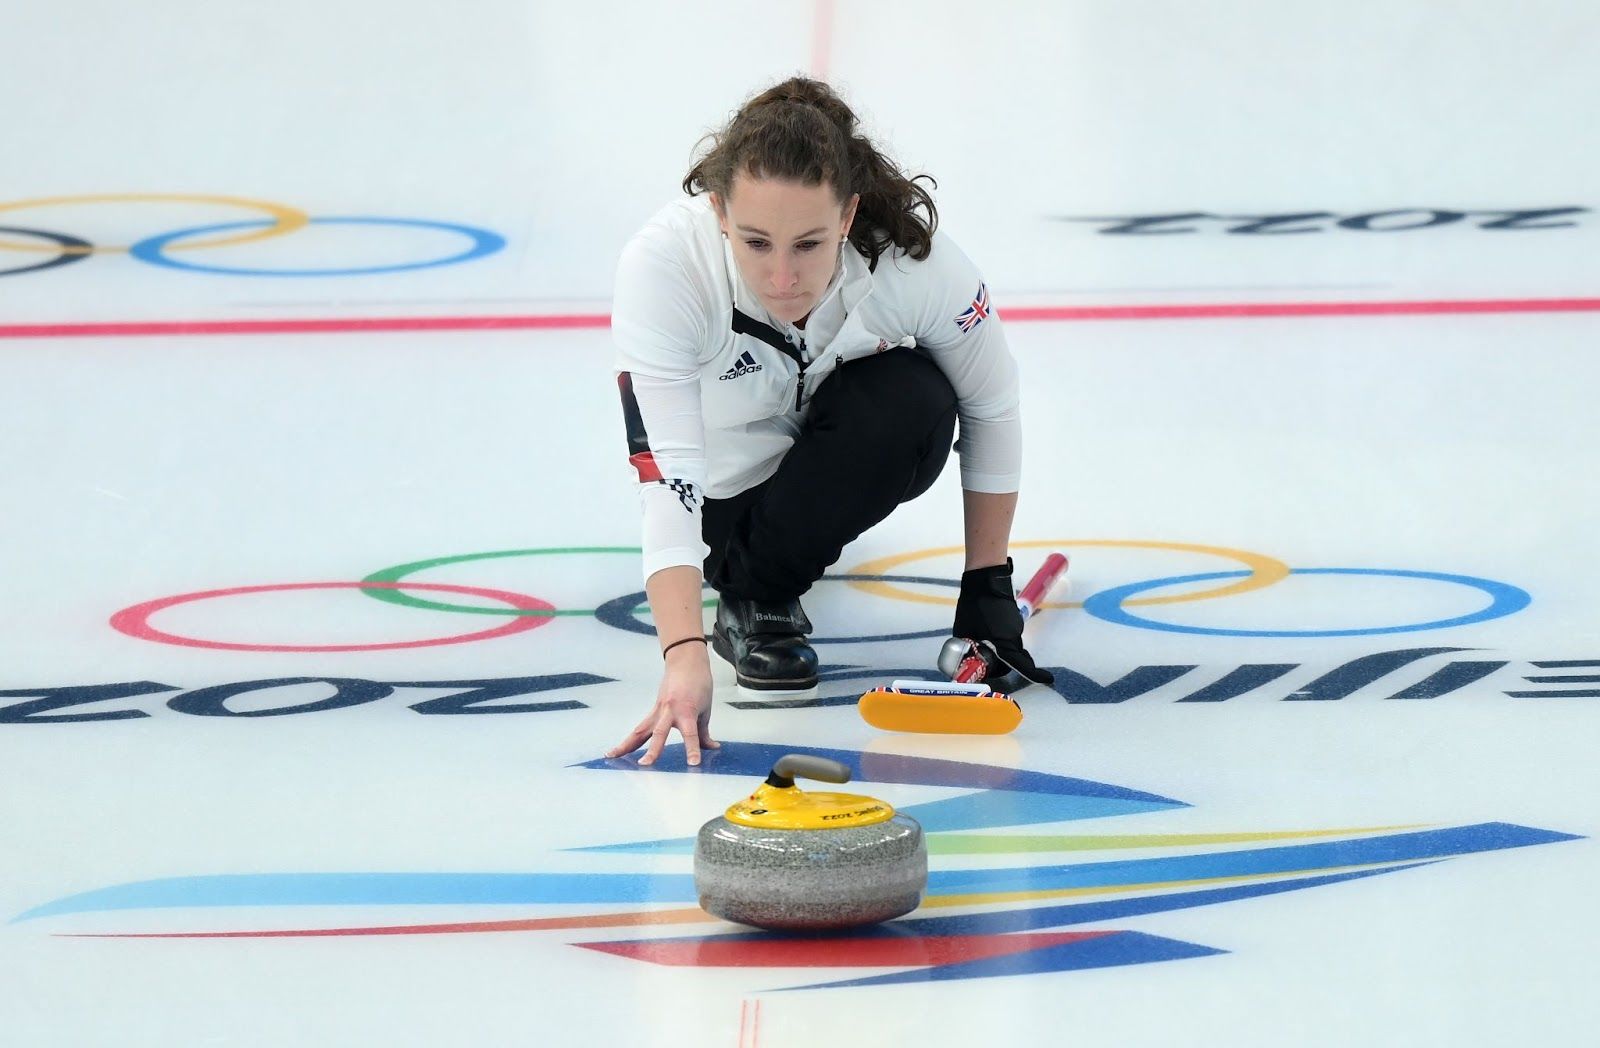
634 739
704 724
658 737
691 739
693 731
629 744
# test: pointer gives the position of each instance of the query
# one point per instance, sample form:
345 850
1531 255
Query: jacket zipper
744 324
800 387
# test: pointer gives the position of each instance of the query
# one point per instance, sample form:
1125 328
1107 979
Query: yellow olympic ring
1264 570
288 219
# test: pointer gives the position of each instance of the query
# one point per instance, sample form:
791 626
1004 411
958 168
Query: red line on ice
1017 314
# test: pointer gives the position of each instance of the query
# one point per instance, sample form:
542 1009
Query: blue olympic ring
152 249
1505 600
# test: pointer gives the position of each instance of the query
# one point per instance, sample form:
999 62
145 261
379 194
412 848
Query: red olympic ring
135 621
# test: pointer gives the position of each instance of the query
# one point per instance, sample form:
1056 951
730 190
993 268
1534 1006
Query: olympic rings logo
394 585
162 249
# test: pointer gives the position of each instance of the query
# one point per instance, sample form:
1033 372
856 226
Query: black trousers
878 434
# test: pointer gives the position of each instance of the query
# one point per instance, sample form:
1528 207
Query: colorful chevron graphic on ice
1019 937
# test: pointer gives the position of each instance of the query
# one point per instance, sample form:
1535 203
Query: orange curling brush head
940 707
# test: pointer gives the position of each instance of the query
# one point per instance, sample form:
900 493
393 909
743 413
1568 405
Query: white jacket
715 389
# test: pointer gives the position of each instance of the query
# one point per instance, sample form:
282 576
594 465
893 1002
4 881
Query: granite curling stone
786 859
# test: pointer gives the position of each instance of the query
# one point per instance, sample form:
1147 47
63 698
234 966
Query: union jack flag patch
973 315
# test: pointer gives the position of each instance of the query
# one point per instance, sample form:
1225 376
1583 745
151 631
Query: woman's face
785 239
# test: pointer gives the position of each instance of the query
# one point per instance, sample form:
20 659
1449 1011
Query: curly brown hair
801 131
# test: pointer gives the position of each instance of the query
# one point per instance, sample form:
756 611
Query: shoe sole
775 687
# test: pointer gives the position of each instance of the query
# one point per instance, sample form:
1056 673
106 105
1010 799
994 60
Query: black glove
987 611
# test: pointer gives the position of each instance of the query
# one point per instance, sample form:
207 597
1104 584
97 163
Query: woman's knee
901 391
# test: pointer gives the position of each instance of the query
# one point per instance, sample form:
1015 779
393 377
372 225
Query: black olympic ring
283 219
73 249
618 613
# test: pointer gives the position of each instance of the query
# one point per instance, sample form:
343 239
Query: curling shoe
766 643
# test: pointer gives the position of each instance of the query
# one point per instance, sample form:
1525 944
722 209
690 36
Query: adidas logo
746 365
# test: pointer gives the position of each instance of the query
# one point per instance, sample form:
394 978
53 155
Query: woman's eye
756 245
807 245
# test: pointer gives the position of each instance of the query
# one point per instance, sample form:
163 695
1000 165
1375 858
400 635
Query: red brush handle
1043 581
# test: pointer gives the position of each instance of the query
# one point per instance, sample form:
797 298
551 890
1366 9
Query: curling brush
963 705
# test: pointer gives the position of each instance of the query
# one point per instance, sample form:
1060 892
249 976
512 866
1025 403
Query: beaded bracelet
675 643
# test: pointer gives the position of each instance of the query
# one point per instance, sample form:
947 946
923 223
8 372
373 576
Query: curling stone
784 858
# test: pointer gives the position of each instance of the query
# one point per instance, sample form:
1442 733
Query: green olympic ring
401 571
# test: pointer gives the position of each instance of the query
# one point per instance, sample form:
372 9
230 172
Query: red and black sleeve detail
639 453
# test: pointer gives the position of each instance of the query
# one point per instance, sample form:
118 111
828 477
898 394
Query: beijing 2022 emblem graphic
1042 917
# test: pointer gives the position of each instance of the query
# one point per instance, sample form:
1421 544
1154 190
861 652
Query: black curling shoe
766 643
